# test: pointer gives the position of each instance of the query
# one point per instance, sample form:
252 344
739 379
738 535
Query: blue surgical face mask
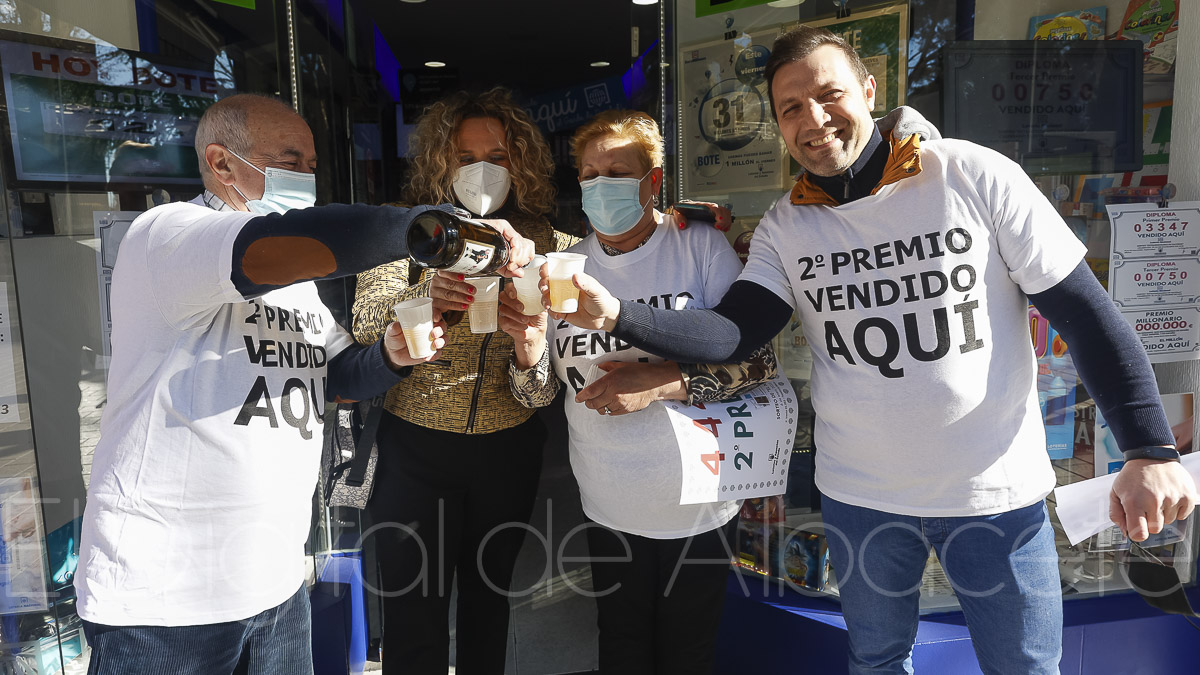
613 205
283 190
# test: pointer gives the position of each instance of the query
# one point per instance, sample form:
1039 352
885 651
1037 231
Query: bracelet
687 384
1152 452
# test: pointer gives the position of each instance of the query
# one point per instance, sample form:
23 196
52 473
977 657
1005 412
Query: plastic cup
483 310
564 297
528 291
416 319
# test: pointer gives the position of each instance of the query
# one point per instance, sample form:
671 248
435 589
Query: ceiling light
783 3
600 64
413 1
435 64
645 2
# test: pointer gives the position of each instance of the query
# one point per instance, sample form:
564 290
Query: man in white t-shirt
192 555
911 266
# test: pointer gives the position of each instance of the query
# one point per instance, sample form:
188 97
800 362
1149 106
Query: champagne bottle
444 241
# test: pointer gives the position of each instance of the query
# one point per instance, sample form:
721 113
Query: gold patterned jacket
470 394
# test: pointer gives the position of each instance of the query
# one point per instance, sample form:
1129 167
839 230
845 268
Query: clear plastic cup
528 290
416 318
483 310
564 297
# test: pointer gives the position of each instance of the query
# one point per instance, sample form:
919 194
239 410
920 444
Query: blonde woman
658 568
459 457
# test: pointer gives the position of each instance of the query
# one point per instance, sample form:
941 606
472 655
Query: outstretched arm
1147 494
359 372
337 240
746 318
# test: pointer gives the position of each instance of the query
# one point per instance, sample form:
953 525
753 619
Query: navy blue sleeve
322 242
327 242
360 372
1109 357
746 318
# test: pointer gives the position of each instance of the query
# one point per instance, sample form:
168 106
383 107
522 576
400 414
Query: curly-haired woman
459 458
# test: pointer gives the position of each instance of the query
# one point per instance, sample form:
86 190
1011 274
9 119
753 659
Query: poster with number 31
739 448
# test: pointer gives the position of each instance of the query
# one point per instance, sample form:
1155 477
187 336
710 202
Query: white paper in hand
736 449
594 373
1083 507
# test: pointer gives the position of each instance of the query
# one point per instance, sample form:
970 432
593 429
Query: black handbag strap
366 439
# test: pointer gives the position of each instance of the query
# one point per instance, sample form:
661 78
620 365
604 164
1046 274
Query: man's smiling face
824 112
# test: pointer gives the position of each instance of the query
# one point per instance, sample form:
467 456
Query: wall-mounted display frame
97 117
730 142
1052 106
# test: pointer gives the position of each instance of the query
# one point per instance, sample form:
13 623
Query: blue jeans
274 642
1003 568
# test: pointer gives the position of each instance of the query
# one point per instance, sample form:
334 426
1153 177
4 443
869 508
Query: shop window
101 102
728 151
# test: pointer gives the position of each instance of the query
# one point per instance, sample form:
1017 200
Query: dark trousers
448 504
274 642
659 600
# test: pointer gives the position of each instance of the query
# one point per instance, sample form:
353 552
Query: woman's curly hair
435 154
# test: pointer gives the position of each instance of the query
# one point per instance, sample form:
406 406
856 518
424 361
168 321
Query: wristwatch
1152 452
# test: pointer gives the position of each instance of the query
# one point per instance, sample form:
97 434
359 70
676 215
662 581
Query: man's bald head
234 122
239 137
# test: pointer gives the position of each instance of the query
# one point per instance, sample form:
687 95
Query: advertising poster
22 555
1085 24
730 141
1154 276
1056 381
97 114
1155 23
738 448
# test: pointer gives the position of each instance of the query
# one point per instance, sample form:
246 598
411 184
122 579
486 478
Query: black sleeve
359 372
1109 357
745 319
322 242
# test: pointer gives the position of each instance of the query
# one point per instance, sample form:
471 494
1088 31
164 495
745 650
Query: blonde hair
627 124
435 153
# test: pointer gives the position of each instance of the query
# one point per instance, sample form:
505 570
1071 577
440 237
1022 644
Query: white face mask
482 187
283 190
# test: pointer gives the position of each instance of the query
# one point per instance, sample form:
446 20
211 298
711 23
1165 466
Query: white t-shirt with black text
628 466
202 482
914 303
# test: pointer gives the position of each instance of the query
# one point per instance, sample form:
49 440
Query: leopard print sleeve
717 382
533 387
